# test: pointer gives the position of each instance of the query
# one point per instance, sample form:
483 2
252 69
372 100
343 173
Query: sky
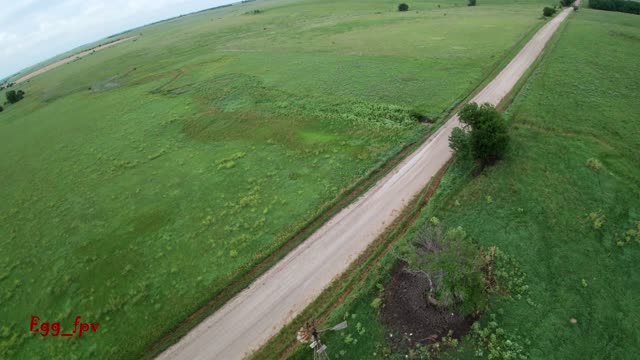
32 31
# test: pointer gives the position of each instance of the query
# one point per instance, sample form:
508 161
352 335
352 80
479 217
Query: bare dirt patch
410 318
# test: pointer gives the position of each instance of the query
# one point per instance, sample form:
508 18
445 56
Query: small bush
375 303
548 11
403 7
597 220
594 164
567 2
472 2
1 109
494 342
14 96
633 234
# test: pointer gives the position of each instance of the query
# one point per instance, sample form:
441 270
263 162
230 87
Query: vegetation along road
259 312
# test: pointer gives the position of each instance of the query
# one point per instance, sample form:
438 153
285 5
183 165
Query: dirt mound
410 318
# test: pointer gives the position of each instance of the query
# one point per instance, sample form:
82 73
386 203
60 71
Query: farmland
139 180
564 202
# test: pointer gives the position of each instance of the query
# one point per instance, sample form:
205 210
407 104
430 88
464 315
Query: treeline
626 6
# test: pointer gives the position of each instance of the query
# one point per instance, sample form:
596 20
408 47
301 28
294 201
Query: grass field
579 104
137 181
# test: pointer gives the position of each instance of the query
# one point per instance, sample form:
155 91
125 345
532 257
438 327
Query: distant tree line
626 6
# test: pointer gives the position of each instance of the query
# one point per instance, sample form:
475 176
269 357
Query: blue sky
35 30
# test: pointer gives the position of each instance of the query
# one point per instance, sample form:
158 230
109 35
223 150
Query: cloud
35 30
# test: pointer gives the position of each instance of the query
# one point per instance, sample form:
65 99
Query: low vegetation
403 7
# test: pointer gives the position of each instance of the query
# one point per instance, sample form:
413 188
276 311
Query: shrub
403 7
1 109
633 234
594 164
494 342
472 2
484 136
462 274
453 263
548 11
567 2
14 96
597 220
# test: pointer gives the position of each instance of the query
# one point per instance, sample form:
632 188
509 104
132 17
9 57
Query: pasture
136 182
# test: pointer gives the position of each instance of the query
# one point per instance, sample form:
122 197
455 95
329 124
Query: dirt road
247 321
69 59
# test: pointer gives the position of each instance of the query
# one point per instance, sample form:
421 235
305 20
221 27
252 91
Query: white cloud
35 30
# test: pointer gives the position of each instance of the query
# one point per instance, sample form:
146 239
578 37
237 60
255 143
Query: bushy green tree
1 109
14 96
484 136
567 2
548 11
403 7
472 2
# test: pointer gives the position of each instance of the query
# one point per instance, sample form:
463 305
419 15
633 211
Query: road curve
257 313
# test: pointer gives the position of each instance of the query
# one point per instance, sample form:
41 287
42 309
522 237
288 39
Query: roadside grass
563 203
138 181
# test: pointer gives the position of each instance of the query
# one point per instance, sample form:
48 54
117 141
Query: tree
567 2
14 96
452 262
548 11
484 135
472 2
403 7
1 108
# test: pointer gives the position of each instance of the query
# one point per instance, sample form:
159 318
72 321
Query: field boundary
326 212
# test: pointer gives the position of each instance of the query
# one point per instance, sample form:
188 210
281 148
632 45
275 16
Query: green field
580 103
138 181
